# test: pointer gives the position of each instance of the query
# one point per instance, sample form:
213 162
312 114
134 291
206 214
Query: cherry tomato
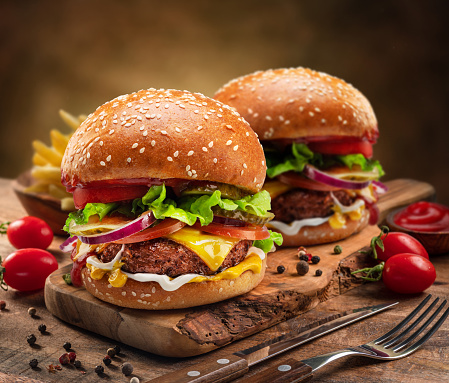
27 269
82 196
296 180
251 232
397 243
407 273
29 231
167 226
342 147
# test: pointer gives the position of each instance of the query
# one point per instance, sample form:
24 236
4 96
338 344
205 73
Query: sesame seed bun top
164 134
299 103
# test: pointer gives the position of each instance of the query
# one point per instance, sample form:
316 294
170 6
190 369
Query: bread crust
299 102
324 233
150 295
164 134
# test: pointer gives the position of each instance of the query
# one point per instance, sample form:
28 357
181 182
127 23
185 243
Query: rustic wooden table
429 364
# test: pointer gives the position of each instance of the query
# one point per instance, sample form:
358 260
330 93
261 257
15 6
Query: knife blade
237 364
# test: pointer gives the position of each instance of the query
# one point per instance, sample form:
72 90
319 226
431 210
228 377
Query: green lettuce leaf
267 244
188 209
300 155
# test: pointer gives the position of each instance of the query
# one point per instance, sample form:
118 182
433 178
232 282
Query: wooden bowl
40 205
434 243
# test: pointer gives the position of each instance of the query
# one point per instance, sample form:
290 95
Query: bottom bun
150 295
324 233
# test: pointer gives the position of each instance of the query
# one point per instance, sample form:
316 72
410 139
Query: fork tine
424 339
407 319
413 325
420 330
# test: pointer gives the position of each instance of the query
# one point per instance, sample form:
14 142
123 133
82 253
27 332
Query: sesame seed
108 158
211 144
166 106
206 117
215 160
196 111
178 130
111 131
204 149
169 158
142 150
229 142
101 143
187 168
153 143
163 132
245 166
102 163
145 133
235 147
175 154
340 118
128 159
301 108
190 153
135 145
311 114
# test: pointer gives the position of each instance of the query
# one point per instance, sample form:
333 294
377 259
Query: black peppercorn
280 269
77 363
302 267
99 369
318 272
107 360
42 328
2 305
111 352
117 349
67 346
127 369
31 339
315 259
33 363
304 257
32 311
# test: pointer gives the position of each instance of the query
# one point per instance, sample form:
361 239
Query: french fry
70 120
52 174
58 192
59 141
67 204
50 154
39 160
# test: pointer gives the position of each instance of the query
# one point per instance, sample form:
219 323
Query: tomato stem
377 241
373 274
4 227
3 284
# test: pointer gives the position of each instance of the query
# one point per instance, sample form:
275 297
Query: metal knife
236 365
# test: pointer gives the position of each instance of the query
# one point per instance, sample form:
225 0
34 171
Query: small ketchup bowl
433 242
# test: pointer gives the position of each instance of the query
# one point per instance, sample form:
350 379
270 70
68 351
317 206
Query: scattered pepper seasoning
315 259
302 267
33 363
67 346
107 360
31 339
127 369
42 328
99 369
2 305
111 352
280 269
32 311
318 272
337 249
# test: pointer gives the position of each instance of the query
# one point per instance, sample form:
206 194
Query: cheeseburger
167 184
317 132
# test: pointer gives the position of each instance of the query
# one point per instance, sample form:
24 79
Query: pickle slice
244 216
227 191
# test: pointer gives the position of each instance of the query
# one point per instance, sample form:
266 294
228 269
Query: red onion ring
318 175
69 244
138 224
380 187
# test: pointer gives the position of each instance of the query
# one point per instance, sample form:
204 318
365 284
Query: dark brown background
76 55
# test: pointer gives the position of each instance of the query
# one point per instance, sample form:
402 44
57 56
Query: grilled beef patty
166 257
300 204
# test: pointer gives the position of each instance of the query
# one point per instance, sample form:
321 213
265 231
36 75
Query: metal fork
394 344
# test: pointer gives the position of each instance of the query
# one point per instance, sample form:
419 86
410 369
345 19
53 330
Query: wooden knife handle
218 371
289 371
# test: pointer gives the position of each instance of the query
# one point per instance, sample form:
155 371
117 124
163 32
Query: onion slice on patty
144 221
317 175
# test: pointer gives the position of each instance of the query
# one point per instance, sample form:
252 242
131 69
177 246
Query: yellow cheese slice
212 249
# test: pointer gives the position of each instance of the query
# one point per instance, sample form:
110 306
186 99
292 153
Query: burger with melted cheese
171 212
318 133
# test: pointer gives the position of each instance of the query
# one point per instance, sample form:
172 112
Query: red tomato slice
167 226
82 196
342 147
250 232
296 180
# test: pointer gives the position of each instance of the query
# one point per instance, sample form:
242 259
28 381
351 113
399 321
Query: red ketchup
423 216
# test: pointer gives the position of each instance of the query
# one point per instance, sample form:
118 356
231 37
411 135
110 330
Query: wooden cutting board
188 332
